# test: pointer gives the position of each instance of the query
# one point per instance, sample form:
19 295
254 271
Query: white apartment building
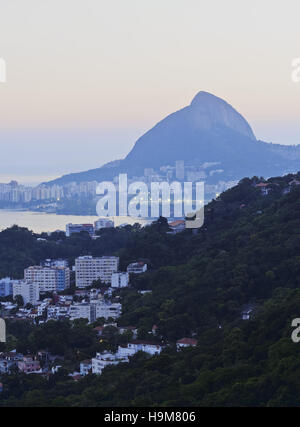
6 286
145 346
89 269
94 310
28 291
137 268
42 307
49 279
57 311
85 367
102 360
107 310
120 280
103 223
80 311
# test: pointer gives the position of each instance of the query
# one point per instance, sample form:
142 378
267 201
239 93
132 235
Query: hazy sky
87 77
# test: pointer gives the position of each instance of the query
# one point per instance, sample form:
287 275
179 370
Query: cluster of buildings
53 276
40 363
175 226
12 360
266 188
124 352
89 269
90 305
16 193
89 228
102 360
37 280
51 194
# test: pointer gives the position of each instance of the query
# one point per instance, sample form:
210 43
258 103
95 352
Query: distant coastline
40 222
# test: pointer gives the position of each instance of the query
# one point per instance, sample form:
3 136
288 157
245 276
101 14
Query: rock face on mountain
208 130
207 111
203 131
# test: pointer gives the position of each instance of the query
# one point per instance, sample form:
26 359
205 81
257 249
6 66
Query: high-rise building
28 291
89 269
78 228
6 287
49 279
103 223
120 280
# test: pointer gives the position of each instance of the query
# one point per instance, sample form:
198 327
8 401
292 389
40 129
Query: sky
86 78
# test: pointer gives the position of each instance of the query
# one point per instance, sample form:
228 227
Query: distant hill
209 130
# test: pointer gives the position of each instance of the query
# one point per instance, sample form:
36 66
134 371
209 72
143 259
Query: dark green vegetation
248 252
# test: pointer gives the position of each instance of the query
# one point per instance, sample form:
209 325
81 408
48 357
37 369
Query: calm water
39 222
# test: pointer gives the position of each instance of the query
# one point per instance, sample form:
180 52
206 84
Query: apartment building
55 263
94 310
89 269
6 287
102 360
137 268
108 310
58 312
28 291
78 228
145 346
85 367
49 279
103 223
80 311
120 280
29 365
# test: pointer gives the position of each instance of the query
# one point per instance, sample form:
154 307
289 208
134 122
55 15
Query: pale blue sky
87 77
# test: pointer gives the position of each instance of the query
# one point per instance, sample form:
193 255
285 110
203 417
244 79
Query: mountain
209 130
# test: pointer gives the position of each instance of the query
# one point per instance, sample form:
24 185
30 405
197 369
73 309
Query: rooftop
189 341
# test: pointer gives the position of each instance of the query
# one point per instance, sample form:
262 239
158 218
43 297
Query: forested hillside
246 254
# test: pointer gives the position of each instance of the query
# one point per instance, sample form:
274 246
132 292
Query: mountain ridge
207 130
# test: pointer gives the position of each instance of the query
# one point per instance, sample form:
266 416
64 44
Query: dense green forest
247 253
